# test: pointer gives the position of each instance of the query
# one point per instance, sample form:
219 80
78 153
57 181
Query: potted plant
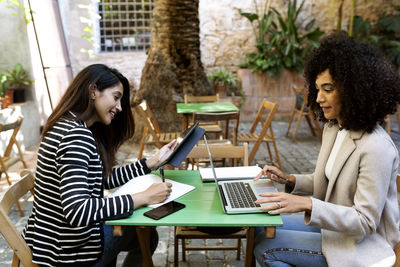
6 98
279 44
223 80
16 80
283 42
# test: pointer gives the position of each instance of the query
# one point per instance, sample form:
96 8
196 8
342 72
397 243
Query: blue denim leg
295 244
113 245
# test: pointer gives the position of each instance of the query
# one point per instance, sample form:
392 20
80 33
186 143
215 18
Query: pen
280 177
162 175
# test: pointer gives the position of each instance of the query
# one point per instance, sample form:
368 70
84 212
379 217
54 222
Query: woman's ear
92 91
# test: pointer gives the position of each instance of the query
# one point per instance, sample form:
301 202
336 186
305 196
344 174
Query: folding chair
151 132
184 233
22 252
8 158
210 126
301 110
226 117
397 248
222 116
387 121
266 135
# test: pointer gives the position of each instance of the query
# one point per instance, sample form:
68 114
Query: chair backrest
397 248
151 124
301 99
7 228
222 151
267 109
15 126
201 99
222 116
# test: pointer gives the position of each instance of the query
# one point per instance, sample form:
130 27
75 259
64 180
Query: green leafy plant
15 78
223 77
278 41
383 34
3 80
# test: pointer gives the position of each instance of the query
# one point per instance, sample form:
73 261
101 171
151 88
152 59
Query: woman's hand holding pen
162 154
156 193
277 175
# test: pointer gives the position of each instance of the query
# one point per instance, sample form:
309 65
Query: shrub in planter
224 81
279 43
17 80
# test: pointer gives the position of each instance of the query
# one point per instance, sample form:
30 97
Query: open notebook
141 183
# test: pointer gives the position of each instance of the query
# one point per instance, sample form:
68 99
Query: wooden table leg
249 260
270 231
185 121
143 235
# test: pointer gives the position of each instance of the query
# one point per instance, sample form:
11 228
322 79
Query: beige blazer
357 208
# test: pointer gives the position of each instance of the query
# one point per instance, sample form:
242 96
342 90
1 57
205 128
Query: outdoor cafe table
211 107
203 208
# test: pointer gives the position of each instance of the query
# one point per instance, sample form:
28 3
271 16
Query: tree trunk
173 66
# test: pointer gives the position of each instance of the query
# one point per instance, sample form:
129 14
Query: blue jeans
295 244
113 245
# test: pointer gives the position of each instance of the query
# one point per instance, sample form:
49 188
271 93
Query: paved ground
297 157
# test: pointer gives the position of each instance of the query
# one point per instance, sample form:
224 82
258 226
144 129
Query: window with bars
125 25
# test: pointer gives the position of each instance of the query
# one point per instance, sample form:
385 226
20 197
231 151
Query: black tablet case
191 137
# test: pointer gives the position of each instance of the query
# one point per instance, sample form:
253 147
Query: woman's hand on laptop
284 202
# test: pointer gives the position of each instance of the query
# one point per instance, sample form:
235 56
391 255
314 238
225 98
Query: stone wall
225 36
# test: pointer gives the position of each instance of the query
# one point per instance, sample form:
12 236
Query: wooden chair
301 110
185 232
151 132
217 118
266 135
235 153
397 248
22 252
8 159
387 121
210 126
222 116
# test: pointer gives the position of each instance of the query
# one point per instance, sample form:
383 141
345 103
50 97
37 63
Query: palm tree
173 66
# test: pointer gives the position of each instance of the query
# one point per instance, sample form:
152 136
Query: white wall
15 49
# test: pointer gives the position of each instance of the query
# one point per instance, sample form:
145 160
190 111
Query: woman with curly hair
351 213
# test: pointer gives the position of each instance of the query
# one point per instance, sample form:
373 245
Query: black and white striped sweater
68 209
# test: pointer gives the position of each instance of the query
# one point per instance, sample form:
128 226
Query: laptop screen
211 162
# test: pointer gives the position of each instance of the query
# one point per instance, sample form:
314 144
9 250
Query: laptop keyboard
240 195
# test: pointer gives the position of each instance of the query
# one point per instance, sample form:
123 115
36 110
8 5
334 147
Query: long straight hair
77 100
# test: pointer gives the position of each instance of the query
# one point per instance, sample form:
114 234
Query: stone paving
296 157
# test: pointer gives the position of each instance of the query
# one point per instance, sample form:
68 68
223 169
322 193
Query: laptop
238 195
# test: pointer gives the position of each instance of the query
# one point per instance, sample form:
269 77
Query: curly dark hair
368 84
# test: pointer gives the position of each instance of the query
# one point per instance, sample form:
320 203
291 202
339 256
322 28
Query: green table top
203 208
205 107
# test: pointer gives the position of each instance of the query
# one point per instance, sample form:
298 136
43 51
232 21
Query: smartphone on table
164 210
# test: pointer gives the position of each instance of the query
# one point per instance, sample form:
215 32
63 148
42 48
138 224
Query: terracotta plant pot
8 99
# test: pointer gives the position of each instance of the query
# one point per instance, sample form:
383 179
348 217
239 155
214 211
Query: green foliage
278 41
14 78
383 34
2 85
224 77
17 6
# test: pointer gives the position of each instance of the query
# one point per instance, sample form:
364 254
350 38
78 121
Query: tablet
190 137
